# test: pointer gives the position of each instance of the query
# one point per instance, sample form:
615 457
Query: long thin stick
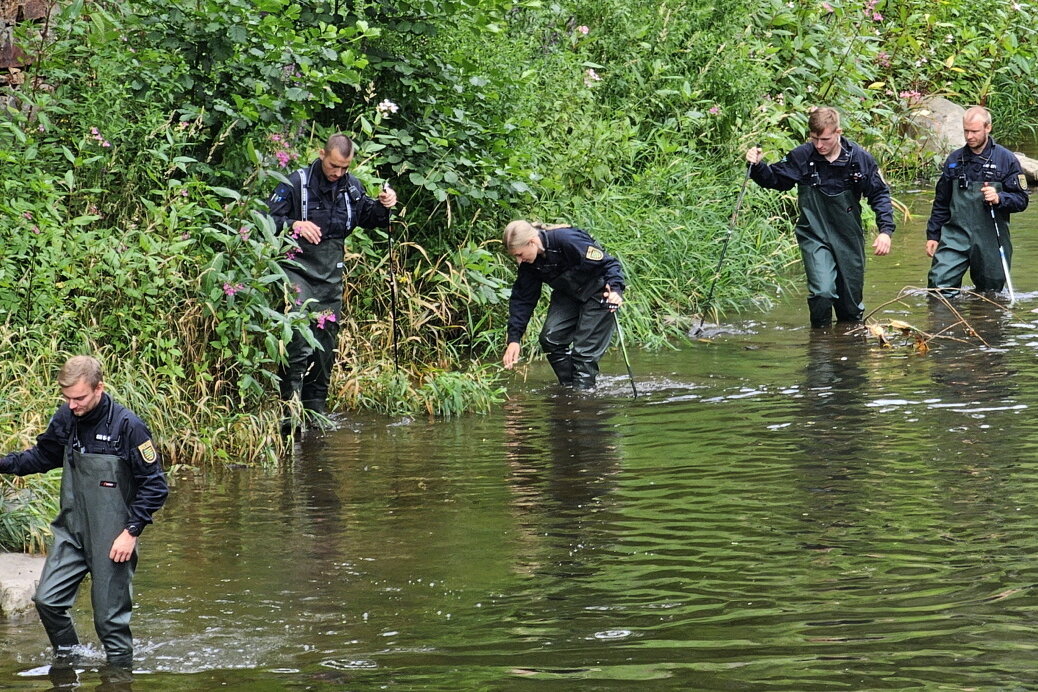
724 248
1002 254
623 349
392 288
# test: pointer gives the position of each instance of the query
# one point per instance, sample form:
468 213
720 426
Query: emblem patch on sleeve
1022 180
593 253
148 452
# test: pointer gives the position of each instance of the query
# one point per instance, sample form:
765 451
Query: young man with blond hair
831 174
111 485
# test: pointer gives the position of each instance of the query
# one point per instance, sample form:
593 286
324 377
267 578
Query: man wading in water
831 174
111 485
320 205
981 184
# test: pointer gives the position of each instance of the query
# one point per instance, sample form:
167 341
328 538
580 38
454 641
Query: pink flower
231 289
827 7
244 233
324 318
292 253
714 110
583 29
283 158
36 229
183 192
27 214
96 135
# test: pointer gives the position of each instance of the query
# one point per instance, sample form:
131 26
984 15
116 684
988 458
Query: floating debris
919 339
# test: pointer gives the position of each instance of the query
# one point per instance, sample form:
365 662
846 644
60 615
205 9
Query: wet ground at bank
781 509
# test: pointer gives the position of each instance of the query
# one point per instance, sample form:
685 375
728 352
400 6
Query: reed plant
27 504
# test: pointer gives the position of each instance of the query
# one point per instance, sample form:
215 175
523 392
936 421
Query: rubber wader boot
318 286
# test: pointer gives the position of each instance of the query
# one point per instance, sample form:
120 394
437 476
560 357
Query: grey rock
19 576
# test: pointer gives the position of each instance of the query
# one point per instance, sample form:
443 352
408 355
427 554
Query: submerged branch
921 338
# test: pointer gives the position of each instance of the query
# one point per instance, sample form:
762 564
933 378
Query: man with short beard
981 184
320 205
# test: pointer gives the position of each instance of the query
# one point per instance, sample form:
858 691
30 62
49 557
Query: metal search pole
392 286
724 248
623 349
1001 252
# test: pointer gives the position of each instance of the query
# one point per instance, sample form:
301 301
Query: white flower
386 107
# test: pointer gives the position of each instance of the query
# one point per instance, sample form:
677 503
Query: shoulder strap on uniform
304 192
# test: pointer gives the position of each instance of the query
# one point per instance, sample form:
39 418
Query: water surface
781 509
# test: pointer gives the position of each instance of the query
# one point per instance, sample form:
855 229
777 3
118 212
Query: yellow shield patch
1022 179
593 253
148 452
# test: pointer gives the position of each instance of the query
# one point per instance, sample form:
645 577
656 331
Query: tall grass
27 504
668 231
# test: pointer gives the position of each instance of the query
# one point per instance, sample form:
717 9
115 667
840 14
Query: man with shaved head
981 184
319 206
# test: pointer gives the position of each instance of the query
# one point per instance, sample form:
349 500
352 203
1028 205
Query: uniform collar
545 239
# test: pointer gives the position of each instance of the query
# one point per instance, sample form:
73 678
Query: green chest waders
832 246
968 241
577 329
96 491
319 280
308 370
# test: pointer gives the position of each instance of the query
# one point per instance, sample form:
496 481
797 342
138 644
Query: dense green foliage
138 150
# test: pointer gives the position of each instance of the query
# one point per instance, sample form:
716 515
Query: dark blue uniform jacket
572 262
963 167
110 428
337 208
854 169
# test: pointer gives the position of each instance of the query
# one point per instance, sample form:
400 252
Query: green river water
781 509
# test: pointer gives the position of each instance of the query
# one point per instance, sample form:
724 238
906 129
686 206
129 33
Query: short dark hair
340 143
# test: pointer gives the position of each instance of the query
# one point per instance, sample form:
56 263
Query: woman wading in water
587 287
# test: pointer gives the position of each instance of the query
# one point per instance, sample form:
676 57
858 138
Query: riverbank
19 575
